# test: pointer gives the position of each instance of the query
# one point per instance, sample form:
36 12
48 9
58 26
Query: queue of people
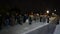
10 19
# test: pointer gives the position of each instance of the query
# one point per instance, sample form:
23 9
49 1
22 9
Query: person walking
30 20
12 20
7 19
16 18
24 18
20 19
47 19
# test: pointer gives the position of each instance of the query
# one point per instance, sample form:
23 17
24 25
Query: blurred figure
12 20
16 18
44 18
57 22
24 18
34 17
20 19
40 18
7 19
0 21
37 17
47 19
30 20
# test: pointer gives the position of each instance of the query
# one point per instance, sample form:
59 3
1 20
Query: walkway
57 30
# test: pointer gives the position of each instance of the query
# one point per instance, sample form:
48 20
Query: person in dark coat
40 19
16 18
12 20
47 19
24 18
20 19
57 22
7 19
30 20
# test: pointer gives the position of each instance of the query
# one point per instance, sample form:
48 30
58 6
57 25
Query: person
0 21
20 19
24 18
34 16
40 18
47 19
7 19
57 21
16 18
12 20
30 20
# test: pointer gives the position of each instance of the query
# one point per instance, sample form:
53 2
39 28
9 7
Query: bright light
47 11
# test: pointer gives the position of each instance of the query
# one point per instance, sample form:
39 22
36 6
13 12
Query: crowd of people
11 19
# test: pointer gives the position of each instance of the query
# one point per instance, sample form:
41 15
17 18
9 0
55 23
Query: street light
47 11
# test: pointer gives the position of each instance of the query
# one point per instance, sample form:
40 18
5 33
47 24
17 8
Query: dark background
30 5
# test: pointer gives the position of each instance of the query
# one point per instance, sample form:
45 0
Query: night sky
30 4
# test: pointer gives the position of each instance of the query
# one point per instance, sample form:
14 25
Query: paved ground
57 30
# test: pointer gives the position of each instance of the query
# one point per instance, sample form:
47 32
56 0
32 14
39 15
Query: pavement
57 30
